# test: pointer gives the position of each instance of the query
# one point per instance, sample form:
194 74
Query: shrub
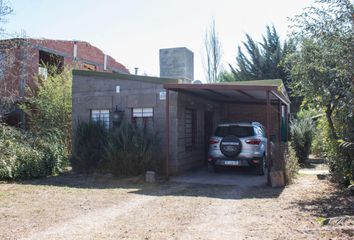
131 150
284 159
125 150
301 130
340 158
339 153
25 155
319 138
88 148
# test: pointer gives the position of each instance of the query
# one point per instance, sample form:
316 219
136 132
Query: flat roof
122 76
247 91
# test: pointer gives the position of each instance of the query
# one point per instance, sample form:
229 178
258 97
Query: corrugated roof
266 82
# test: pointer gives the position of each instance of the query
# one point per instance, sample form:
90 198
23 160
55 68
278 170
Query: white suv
238 144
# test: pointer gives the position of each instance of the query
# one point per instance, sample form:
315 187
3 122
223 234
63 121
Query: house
23 59
183 112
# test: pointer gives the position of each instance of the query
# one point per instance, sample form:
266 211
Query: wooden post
268 136
167 132
279 121
286 123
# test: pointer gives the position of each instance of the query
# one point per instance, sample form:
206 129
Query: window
90 67
100 116
190 127
143 112
238 131
43 72
143 117
53 62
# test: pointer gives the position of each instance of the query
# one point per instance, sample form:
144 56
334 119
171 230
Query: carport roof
241 91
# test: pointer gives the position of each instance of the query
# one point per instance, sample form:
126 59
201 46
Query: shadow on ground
163 188
313 163
335 204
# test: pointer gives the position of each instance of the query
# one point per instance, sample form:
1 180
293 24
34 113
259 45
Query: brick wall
252 112
21 59
189 158
93 92
85 53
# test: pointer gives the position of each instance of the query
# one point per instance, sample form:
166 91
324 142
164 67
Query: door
208 130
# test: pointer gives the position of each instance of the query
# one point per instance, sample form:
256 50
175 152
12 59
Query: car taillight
213 141
253 141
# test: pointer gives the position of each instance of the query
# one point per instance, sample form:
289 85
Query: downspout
167 132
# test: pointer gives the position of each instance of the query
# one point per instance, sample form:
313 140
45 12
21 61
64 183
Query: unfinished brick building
21 60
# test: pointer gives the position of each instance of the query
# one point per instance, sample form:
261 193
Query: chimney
177 63
105 62
75 50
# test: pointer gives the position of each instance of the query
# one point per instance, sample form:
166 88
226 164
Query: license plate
232 163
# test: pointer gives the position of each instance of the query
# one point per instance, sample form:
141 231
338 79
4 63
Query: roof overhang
235 92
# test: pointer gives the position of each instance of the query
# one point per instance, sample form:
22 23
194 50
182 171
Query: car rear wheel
261 167
230 146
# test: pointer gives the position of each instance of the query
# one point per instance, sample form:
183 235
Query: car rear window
238 131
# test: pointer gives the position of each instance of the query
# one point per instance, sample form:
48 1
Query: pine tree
262 60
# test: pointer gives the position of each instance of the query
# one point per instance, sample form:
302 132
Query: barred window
143 112
190 126
101 115
143 117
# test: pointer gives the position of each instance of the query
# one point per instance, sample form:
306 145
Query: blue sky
133 31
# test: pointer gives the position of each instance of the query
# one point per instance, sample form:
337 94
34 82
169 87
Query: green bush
301 130
24 155
319 138
124 151
340 158
339 153
88 148
131 150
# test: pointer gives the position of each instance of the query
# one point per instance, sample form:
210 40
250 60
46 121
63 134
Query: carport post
279 121
268 136
167 133
286 123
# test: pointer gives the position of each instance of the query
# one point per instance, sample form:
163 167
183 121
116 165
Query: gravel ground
81 207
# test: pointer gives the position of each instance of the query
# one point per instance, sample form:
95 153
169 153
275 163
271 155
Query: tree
322 68
6 101
14 55
212 48
49 106
5 10
263 60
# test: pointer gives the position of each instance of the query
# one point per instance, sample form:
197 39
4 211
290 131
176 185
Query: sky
133 31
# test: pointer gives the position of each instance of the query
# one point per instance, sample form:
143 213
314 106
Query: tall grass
131 150
124 151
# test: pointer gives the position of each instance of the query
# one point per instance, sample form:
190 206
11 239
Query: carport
268 96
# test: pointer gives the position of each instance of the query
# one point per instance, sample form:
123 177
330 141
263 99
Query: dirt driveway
81 207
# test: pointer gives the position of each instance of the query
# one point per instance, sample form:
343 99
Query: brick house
183 112
23 59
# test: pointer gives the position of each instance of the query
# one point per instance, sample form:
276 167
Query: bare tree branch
213 55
